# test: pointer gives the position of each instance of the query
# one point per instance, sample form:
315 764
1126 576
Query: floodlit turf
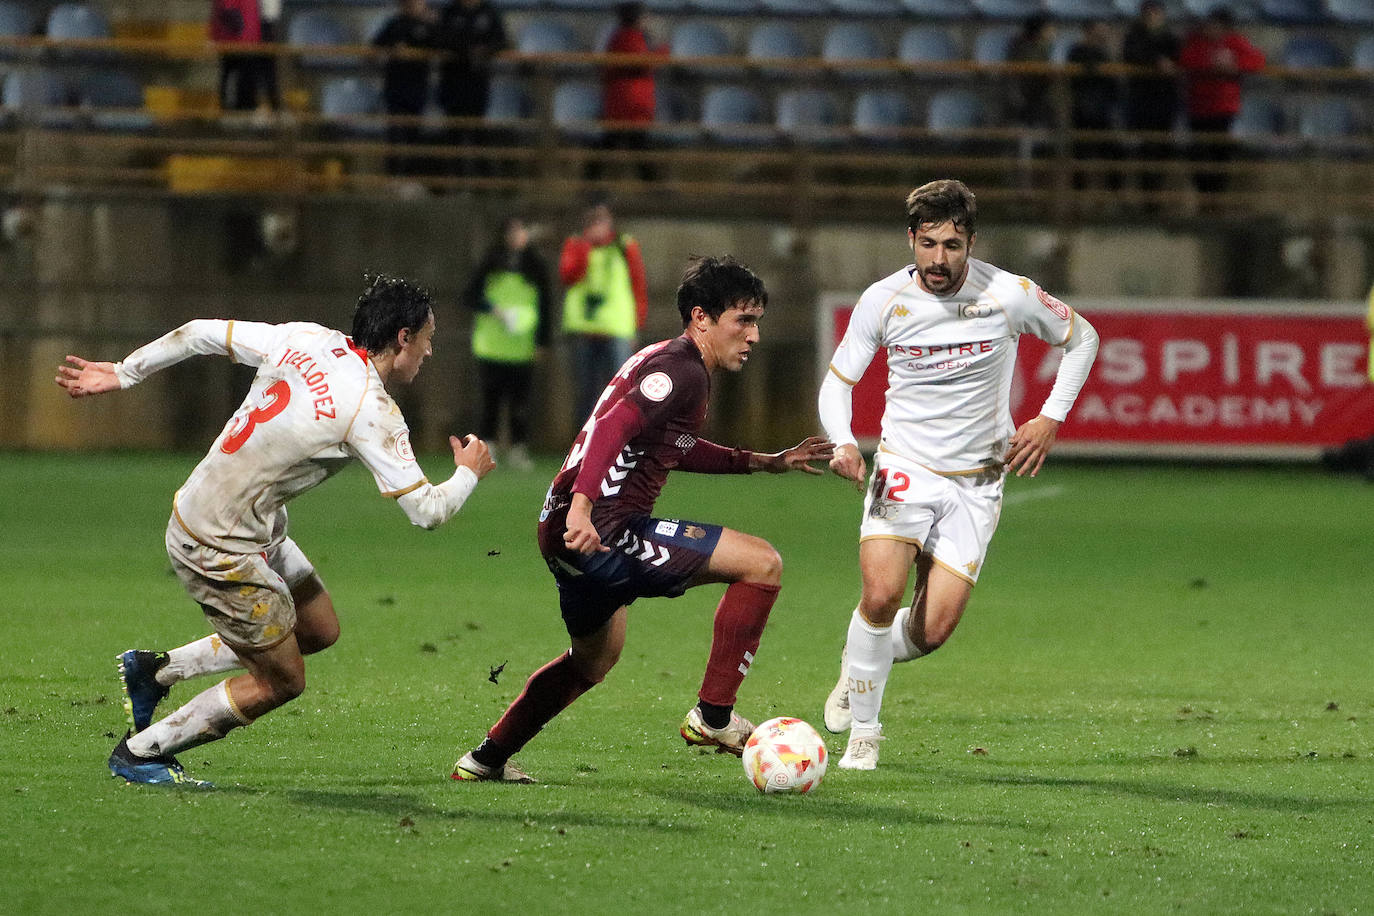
1161 700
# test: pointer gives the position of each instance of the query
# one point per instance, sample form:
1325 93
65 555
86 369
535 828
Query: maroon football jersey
669 384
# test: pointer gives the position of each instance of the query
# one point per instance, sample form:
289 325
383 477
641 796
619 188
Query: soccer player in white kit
950 324
319 400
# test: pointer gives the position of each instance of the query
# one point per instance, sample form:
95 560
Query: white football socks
903 649
209 716
870 662
204 656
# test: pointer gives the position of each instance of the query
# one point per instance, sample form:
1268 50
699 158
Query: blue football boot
162 770
142 692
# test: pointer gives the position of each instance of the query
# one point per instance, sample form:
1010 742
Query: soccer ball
785 755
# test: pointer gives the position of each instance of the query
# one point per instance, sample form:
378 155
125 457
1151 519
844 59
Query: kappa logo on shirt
656 386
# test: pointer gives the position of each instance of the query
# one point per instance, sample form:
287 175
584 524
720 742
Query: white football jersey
315 404
950 361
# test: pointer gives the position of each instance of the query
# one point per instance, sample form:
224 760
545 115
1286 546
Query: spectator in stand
1214 57
606 302
510 294
247 80
1151 98
1032 102
628 91
472 32
405 80
1093 100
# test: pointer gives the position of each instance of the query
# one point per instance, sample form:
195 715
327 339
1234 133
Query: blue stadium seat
667 6
794 7
77 20
1326 117
375 22
114 89
809 116
699 39
956 109
34 94
1362 58
345 99
577 109
17 20
547 36
1063 42
852 41
867 7
508 100
1351 12
1243 10
319 28
1082 10
674 123
1008 9
727 7
776 40
939 9
990 46
926 44
733 114
1173 9
518 4
582 5
1293 12
1260 119
880 115
1310 52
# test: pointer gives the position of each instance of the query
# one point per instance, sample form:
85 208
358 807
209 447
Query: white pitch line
1025 496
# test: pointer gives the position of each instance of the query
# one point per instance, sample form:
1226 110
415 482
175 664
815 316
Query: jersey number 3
274 400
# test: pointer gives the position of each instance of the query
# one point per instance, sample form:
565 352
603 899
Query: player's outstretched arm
796 458
82 377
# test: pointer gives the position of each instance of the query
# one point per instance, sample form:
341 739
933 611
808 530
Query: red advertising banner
1191 379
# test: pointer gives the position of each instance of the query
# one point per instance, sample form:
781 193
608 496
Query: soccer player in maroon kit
604 547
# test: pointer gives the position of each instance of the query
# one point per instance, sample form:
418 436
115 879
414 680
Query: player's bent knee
318 639
766 565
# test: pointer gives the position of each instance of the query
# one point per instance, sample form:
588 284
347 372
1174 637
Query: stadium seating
1063 42
69 21
667 6
852 41
583 5
939 9
794 7
346 99
17 20
1260 124
35 95
728 7
880 114
547 36
320 28
956 109
809 116
508 100
927 44
1351 12
576 109
101 90
1310 52
375 22
1243 10
1326 117
699 39
990 46
1007 9
1362 58
674 122
1082 10
867 7
1292 12
1173 9
776 40
733 114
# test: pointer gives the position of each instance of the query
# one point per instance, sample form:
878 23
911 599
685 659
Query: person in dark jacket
472 32
1152 102
405 79
509 291
1093 100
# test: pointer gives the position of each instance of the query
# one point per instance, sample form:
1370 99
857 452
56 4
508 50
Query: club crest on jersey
403 445
695 532
656 386
1053 304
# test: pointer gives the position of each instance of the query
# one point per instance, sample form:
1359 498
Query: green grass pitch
1161 700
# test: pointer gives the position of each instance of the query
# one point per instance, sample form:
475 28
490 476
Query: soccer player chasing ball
950 324
319 400
604 547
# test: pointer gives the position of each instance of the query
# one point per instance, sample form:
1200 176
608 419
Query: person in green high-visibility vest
510 294
606 302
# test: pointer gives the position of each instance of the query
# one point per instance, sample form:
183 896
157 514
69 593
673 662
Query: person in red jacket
628 91
1214 57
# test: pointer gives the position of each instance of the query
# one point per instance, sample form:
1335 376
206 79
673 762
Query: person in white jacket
950 324
318 401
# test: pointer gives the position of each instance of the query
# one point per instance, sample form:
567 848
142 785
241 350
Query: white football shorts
246 597
952 519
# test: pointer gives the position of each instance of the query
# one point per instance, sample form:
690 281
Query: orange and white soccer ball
785 755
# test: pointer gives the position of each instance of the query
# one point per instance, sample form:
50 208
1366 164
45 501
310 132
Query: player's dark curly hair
716 284
946 200
387 305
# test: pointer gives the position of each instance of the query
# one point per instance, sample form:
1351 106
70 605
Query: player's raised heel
138 676
862 750
727 740
838 718
163 770
468 769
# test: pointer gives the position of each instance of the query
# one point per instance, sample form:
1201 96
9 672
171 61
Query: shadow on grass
1164 791
840 809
